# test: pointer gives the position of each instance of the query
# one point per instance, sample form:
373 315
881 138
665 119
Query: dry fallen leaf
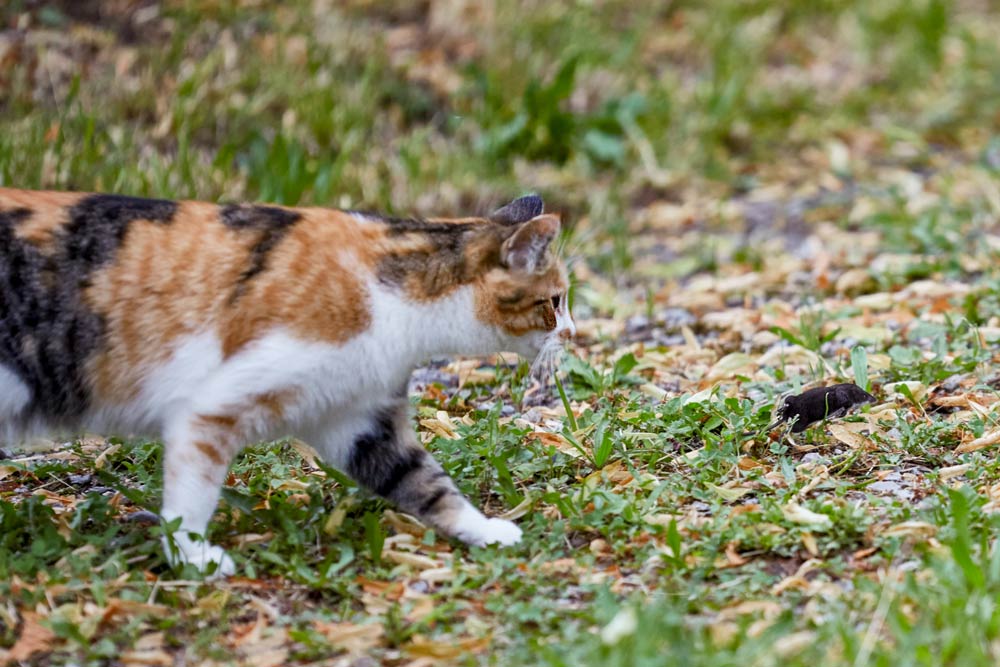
915 529
954 471
414 560
849 436
730 493
271 651
809 542
148 650
117 607
766 608
798 514
34 638
352 637
794 643
101 460
733 557
308 454
445 650
987 440
916 389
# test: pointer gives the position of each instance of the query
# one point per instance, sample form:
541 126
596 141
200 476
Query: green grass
760 196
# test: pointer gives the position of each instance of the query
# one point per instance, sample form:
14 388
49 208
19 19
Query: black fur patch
97 226
520 210
271 222
14 217
47 333
437 269
399 226
434 499
401 465
378 461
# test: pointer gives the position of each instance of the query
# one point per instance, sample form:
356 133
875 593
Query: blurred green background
446 105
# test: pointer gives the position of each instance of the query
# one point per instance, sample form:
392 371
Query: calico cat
214 326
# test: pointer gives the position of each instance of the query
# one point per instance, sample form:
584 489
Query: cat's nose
567 333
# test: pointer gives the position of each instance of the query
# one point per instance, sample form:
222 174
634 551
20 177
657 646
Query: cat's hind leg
381 452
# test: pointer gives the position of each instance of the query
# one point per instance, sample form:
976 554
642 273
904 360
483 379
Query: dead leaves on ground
34 638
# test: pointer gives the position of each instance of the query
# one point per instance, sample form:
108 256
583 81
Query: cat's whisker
547 361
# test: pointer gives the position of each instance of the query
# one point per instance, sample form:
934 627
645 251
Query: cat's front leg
195 461
381 453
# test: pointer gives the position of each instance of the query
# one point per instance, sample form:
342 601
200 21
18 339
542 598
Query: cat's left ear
528 248
520 210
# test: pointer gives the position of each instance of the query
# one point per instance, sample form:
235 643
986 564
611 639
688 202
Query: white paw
475 529
211 560
502 532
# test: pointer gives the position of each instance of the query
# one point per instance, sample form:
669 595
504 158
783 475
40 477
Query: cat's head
522 294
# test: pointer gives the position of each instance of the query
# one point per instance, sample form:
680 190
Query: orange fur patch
273 403
210 451
219 421
49 212
519 303
168 281
313 285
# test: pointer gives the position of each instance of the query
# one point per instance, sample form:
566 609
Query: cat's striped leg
386 458
195 462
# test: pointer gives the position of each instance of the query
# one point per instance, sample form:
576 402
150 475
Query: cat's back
97 289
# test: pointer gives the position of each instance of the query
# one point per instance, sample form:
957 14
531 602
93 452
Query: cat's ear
520 210
528 248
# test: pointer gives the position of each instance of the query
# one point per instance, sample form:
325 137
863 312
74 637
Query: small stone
143 516
950 385
80 480
675 318
636 324
891 488
532 416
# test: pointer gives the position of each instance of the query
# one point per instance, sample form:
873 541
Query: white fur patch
180 548
565 327
14 394
473 528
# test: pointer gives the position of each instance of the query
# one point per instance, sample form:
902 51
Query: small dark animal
821 403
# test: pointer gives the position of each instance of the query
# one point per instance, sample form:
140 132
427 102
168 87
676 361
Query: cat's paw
475 529
210 560
502 532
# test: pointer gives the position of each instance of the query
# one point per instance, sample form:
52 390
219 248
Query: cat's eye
555 302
